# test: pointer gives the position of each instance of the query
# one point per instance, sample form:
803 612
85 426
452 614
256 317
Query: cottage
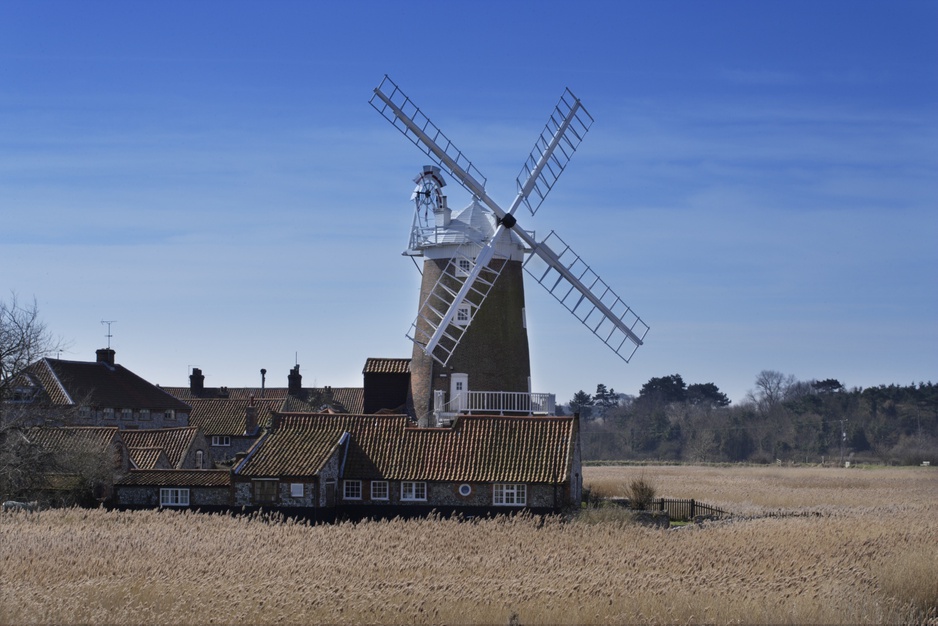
366 465
75 464
231 425
100 393
207 490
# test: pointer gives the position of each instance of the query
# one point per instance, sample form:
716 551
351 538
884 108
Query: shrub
641 493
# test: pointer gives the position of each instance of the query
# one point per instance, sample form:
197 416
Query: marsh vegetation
811 546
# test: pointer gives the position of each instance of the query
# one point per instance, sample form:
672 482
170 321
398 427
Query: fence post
693 508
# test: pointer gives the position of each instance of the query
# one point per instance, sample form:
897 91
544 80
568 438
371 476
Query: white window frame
174 496
144 414
84 412
461 270
221 440
350 488
510 494
170 414
127 414
109 414
199 459
463 316
413 491
380 490
297 490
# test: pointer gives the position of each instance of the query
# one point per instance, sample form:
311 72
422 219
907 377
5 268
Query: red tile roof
176 478
227 416
74 438
176 442
477 448
482 448
301 443
345 399
149 458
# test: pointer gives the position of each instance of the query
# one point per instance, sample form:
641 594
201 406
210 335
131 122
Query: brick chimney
105 355
250 418
295 381
196 381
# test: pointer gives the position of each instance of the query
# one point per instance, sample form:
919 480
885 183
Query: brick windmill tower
450 244
470 337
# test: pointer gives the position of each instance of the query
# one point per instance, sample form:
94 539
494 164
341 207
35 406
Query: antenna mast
109 335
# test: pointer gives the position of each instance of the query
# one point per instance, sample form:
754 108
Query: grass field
811 546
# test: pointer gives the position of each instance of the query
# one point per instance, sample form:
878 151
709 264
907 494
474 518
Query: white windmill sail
577 287
447 312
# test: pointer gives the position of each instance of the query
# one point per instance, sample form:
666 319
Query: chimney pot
295 382
105 355
196 381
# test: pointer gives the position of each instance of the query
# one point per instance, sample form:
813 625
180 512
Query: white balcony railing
491 403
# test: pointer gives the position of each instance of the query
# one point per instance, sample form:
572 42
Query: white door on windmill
459 392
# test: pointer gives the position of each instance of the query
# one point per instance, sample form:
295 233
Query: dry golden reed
858 558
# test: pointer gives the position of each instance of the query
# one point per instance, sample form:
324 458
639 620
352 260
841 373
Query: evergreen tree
582 403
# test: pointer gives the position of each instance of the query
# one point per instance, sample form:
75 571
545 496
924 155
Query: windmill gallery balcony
490 403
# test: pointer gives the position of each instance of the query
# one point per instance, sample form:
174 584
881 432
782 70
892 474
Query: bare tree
24 338
23 464
771 388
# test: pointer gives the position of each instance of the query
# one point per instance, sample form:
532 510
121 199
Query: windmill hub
508 221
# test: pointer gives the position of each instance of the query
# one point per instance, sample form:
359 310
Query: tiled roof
346 399
174 441
227 416
302 443
73 438
386 366
481 448
176 478
98 384
231 393
476 449
149 458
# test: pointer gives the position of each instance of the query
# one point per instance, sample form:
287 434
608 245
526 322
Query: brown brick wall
494 350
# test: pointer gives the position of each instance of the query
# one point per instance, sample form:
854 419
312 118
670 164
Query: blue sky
760 183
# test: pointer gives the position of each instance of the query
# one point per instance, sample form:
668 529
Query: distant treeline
783 419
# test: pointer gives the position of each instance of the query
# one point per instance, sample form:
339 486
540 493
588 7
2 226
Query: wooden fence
684 510
678 510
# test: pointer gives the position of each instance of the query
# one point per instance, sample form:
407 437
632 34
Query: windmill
476 257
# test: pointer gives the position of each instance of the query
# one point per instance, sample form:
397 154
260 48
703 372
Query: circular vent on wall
464 489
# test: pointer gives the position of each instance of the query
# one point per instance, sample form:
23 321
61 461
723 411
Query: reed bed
875 561
757 489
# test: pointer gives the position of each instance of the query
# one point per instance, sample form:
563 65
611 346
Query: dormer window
127 414
23 394
108 414
144 414
170 414
84 412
